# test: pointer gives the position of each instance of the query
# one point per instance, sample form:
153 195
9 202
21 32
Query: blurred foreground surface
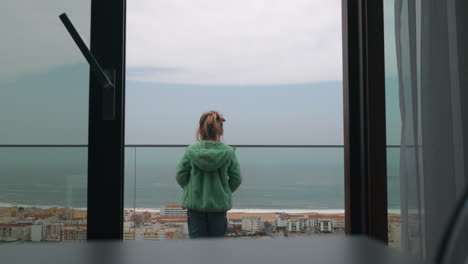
320 250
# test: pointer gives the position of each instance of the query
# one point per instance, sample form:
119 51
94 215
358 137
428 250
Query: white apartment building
139 234
129 224
129 234
80 221
154 234
36 233
252 224
281 220
394 235
162 235
74 232
326 226
128 216
235 222
52 232
182 226
300 224
184 229
13 232
314 222
338 223
169 233
295 225
26 221
173 211
150 235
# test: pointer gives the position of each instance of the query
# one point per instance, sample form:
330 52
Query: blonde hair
210 126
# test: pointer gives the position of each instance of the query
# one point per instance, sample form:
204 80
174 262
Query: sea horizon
284 179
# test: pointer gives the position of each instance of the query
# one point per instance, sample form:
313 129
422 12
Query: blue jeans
204 224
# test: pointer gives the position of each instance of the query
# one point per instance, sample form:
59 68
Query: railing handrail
172 146
238 146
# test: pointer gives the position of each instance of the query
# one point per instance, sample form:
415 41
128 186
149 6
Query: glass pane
43 193
303 189
274 69
393 193
393 121
44 101
130 193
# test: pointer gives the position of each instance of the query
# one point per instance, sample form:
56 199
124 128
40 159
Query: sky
273 68
37 42
243 42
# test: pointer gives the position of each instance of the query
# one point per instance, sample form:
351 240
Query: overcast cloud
227 42
34 39
242 42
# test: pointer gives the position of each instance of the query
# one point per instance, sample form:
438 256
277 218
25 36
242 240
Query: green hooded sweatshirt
209 173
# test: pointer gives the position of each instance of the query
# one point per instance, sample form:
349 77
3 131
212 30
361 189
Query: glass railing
43 193
291 191
393 196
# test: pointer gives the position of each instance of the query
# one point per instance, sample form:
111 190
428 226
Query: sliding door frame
364 119
107 122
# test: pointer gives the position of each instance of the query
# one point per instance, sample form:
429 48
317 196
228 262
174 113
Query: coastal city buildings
39 224
170 222
325 223
12 232
394 230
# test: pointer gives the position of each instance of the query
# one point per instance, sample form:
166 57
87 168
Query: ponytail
210 126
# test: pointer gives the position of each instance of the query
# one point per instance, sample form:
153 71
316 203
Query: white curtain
430 38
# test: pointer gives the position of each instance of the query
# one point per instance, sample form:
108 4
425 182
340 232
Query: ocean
273 178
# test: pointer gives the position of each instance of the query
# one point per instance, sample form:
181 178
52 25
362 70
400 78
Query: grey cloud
33 38
226 42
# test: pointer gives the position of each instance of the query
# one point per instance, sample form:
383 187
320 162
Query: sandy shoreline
266 216
270 217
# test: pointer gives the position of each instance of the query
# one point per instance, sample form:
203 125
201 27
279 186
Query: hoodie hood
209 155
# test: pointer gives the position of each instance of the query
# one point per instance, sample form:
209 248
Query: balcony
46 186
302 181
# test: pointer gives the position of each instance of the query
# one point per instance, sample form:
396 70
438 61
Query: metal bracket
108 98
105 78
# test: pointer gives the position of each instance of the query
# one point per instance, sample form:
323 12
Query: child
209 173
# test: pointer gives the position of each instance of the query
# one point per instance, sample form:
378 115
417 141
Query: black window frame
364 119
106 137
